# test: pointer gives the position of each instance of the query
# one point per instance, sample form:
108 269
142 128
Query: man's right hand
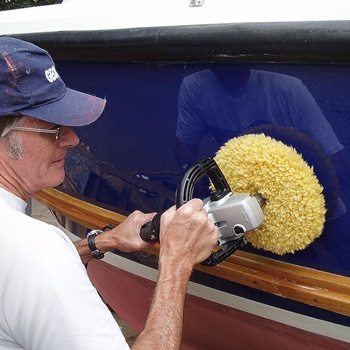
186 234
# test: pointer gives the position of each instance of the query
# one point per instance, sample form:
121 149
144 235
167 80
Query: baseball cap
30 85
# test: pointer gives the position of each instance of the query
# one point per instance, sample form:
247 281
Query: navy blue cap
30 85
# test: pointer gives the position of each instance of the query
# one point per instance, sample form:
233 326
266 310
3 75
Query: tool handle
205 166
150 231
184 193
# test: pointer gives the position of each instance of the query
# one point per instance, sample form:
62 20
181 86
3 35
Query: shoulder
29 236
274 78
199 78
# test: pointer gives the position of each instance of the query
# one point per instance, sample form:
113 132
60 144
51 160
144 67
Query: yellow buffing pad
294 213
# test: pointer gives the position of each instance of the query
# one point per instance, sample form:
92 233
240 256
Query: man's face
42 161
232 77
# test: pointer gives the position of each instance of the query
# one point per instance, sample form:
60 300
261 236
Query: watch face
94 232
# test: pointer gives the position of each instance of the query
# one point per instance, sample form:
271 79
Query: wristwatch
91 242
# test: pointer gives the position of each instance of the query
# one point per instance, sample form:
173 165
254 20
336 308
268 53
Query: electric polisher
262 192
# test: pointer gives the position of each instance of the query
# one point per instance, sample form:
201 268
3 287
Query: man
46 299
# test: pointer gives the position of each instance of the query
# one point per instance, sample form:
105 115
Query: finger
194 203
147 218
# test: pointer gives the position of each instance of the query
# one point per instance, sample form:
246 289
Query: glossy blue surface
128 159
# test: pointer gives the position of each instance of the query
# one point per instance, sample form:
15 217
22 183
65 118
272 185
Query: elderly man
46 298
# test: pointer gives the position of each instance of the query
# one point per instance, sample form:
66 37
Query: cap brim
73 109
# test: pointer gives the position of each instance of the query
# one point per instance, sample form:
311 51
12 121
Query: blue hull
130 163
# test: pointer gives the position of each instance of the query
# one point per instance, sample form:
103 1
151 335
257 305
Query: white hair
15 147
11 138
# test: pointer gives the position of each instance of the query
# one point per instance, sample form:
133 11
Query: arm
164 324
125 237
311 120
187 238
191 125
185 154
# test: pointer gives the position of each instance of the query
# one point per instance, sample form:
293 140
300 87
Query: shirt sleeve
312 121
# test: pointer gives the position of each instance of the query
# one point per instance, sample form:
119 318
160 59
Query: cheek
39 166
46 174
38 161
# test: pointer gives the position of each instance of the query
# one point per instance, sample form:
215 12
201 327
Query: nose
68 138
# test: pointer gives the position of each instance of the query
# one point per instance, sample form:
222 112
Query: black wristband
91 242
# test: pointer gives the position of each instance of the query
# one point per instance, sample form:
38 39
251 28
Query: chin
57 180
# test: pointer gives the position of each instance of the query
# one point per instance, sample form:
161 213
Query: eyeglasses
56 130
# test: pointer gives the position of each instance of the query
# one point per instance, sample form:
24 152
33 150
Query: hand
126 236
186 234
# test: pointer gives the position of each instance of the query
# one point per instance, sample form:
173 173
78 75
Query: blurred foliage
17 4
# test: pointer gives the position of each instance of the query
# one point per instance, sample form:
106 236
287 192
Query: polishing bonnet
294 212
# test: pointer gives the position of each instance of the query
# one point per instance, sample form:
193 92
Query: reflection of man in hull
228 99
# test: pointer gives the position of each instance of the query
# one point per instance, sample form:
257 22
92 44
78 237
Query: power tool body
233 214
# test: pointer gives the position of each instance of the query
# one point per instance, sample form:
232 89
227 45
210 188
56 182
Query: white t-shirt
205 105
47 300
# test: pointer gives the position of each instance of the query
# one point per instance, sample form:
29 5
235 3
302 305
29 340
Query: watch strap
96 253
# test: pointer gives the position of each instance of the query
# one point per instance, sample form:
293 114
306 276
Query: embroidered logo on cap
51 74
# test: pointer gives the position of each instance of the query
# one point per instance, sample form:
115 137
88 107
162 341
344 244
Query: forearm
185 154
164 324
124 237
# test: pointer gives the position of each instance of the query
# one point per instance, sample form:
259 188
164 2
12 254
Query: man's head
232 76
30 85
37 111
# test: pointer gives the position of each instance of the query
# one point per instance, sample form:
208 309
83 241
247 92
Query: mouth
60 160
